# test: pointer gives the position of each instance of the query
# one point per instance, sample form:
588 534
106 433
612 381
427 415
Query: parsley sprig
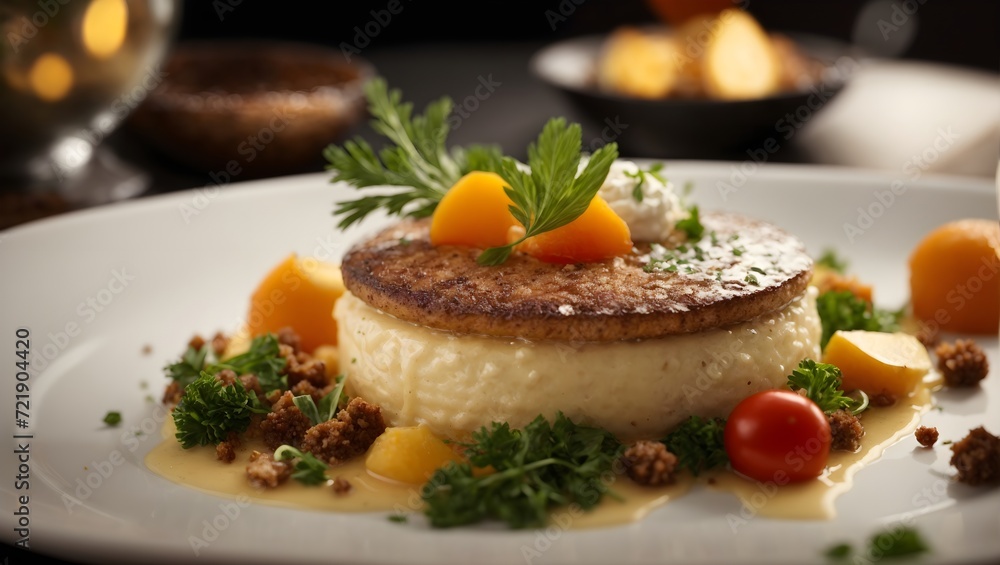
821 384
536 468
209 411
190 366
416 158
552 194
842 310
698 444
263 359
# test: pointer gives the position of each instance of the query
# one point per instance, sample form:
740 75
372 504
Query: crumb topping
962 363
649 463
846 431
926 436
977 457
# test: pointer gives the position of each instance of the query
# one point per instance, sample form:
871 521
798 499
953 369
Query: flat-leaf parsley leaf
552 194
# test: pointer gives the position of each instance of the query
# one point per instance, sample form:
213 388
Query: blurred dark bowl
253 108
693 128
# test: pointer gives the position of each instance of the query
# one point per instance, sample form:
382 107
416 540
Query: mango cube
409 454
877 362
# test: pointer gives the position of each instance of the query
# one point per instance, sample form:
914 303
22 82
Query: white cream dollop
654 218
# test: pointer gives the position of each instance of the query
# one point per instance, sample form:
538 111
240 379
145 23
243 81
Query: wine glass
70 73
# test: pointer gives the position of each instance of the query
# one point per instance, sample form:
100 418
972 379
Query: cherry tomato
779 436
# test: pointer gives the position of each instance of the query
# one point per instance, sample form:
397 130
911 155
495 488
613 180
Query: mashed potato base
456 383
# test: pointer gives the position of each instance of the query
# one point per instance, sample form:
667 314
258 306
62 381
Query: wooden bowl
252 109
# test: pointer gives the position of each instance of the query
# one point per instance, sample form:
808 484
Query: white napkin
911 118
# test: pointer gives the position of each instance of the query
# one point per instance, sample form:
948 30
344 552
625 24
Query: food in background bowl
725 56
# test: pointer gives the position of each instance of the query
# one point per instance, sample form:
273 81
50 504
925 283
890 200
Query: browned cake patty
742 268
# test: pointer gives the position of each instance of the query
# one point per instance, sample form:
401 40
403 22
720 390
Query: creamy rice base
456 383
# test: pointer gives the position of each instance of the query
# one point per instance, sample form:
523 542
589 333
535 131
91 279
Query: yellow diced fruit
408 454
877 362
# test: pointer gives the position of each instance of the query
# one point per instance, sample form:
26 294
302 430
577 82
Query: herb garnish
399 518
640 176
263 358
839 552
328 406
821 383
189 367
113 418
904 541
691 225
416 160
536 468
308 470
842 310
698 444
831 260
552 194
209 411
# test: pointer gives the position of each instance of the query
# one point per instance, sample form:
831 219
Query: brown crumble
846 431
977 457
350 434
649 463
196 342
341 486
264 472
926 436
962 364
219 344
882 399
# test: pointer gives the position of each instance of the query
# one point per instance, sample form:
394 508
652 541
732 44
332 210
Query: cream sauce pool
812 500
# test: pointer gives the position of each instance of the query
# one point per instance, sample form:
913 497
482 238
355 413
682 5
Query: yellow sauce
815 499
199 468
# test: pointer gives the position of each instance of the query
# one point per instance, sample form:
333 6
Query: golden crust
399 272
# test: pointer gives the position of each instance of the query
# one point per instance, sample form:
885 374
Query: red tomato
779 436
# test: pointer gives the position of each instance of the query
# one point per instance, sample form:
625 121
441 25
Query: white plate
153 271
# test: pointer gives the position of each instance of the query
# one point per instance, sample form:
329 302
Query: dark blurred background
963 32
442 48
